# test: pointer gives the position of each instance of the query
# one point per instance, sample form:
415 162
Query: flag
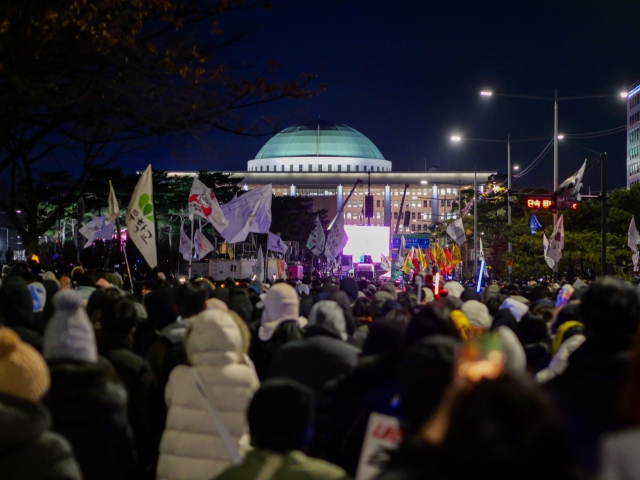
534 224
185 245
455 255
422 260
202 244
408 263
385 263
557 240
274 243
633 238
481 252
401 253
140 221
569 190
336 239
247 213
96 228
634 259
545 247
258 267
113 210
203 202
316 239
456 231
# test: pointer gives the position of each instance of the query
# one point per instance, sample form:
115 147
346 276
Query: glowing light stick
480 275
437 283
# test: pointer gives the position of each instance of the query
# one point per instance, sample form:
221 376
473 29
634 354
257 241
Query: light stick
480 275
437 284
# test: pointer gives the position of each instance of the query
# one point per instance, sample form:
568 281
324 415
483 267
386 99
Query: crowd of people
273 381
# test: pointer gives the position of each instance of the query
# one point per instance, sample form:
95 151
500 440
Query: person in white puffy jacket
192 448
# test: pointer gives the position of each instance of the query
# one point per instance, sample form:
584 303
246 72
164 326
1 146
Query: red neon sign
534 203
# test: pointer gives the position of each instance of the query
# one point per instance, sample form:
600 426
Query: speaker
368 206
407 219
367 259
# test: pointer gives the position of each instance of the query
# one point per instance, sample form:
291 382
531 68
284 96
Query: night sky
407 75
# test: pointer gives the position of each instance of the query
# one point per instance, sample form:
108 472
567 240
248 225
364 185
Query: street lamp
508 141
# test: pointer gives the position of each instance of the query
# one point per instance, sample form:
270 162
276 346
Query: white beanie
281 303
454 289
477 313
69 333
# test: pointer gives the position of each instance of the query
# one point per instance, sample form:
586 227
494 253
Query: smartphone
481 358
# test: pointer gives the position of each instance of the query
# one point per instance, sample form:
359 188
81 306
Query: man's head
611 307
280 416
190 299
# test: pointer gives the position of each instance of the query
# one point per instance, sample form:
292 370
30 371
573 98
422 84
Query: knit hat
349 286
16 303
23 371
516 307
427 294
69 334
477 313
455 289
49 276
39 295
281 303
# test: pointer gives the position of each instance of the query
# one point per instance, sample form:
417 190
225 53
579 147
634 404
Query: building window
300 167
424 203
274 167
329 167
455 192
319 167
395 204
378 203
291 168
413 204
413 215
448 191
310 168
395 215
378 215
419 227
339 168
378 168
349 215
357 168
348 168
260 167
448 203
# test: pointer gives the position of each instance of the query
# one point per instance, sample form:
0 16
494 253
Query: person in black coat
115 341
87 400
588 393
28 448
16 310
322 354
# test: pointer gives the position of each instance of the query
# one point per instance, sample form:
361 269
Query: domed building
319 146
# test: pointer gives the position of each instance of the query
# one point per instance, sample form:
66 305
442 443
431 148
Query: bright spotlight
560 137
486 93
456 138
624 94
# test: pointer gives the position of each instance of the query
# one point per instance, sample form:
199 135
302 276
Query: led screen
366 241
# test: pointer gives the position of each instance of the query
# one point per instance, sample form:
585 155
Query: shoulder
302 466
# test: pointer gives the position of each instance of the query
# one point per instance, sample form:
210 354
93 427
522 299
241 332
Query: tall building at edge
633 137
323 160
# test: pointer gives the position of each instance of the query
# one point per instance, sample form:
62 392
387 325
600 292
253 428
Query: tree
83 83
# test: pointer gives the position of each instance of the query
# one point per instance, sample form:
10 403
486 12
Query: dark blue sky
407 75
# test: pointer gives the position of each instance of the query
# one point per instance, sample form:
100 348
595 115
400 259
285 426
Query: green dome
319 138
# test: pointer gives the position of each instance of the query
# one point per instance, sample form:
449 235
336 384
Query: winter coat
295 466
619 459
146 415
88 405
167 351
191 447
319 357
28 449
262 352
345 405
588 394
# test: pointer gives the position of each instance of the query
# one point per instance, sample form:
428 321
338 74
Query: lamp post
460 138
556 137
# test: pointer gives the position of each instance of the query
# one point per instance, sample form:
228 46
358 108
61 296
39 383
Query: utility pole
475 219
404 194
509 194
603 214
555 165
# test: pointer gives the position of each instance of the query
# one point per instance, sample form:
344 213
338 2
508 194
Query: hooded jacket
191 447
16 310
28 449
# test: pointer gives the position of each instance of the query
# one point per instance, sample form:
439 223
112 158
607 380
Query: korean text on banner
140 221
382 436
316 239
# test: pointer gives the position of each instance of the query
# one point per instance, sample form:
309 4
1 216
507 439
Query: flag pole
190 248
179 239
124 250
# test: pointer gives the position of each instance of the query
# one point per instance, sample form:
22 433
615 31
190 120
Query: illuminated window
349 215
377 214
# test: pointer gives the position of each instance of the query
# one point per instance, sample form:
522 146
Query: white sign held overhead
140 219
247 213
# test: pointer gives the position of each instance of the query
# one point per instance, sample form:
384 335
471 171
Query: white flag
140 222
202 244
569 190
203 202
316 239
385 263
481 252
336 239
456 231
634 237
545 247
274 243
401 253
557 241
250 212
185 245
96 228
634 259
113 210
258 267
